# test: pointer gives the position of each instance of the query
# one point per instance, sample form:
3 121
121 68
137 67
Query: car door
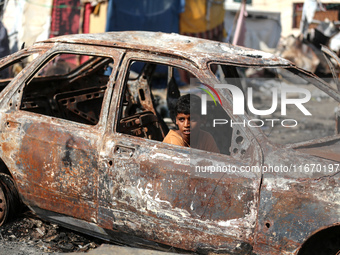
164 193
57 126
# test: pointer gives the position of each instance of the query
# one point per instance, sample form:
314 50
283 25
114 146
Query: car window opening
70 87
151 93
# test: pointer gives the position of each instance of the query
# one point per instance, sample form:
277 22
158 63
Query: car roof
175 44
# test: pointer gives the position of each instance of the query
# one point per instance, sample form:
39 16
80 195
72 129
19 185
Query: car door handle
124 151
12 125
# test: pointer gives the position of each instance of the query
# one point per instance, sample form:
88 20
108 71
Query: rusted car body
82 144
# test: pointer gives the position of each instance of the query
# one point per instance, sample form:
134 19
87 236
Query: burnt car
83 118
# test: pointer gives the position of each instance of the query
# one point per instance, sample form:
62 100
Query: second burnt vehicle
82 119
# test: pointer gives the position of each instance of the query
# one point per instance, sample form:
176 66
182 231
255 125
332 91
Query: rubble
305 50
40 237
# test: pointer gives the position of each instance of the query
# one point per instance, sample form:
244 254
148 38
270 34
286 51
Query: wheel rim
3 206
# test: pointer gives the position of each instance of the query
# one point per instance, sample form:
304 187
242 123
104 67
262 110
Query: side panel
53 160
150 190
55 167
156 195
296 204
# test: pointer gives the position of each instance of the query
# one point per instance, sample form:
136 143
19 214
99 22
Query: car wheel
3 205
10 203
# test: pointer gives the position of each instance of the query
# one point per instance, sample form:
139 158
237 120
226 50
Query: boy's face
188 124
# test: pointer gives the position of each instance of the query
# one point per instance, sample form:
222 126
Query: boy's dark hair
188 104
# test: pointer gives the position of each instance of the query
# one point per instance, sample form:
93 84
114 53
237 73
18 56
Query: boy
189 133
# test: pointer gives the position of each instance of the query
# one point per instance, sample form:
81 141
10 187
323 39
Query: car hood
329 149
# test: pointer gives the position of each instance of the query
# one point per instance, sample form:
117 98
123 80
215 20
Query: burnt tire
10 202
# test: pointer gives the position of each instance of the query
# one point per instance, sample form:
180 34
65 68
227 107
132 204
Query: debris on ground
305 50
32 235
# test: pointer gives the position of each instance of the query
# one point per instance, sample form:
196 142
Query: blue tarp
147 15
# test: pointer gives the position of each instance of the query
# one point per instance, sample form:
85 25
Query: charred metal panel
324 149
294 204
337 121
59 165
286 221
81 105
193 49
151 193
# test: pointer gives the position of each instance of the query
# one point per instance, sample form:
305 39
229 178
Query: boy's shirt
206 141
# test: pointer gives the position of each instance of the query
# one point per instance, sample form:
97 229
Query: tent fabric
148 15
4 42
65 17
27 22
4 48
12 20
145 15
200 16
35 21
87 14
263 29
